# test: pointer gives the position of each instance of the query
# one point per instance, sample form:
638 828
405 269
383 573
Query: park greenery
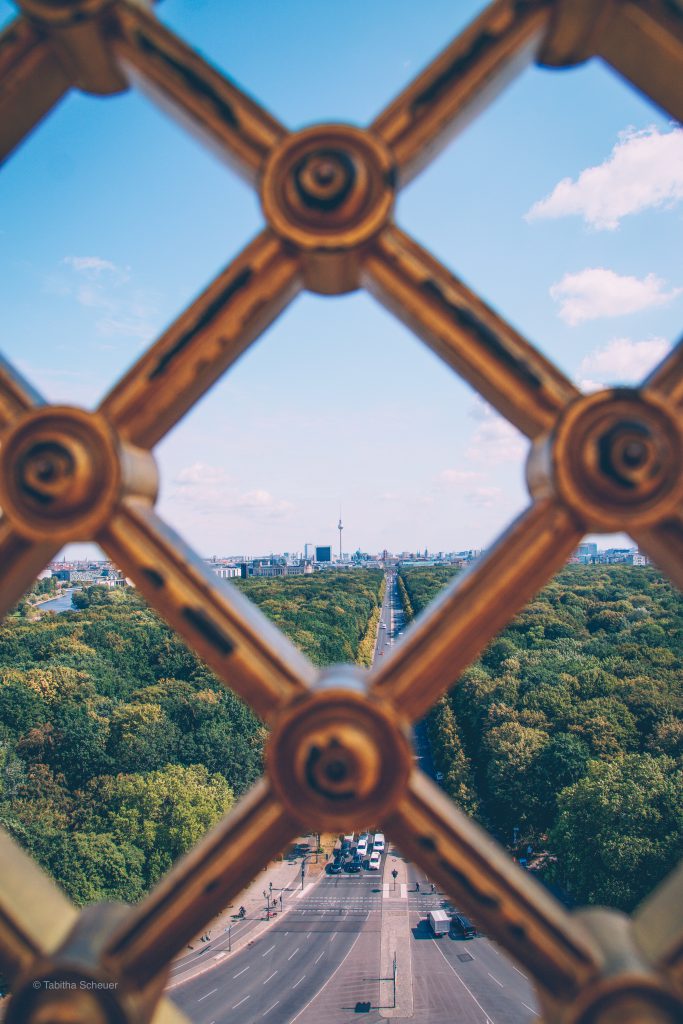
119 748
566 735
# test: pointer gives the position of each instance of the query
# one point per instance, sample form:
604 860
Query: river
59 604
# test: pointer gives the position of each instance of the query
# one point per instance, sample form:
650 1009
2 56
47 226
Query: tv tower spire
340 528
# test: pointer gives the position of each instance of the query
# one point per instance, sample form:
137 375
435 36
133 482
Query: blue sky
112 219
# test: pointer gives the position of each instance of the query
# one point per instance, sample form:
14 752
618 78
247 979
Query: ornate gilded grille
338 750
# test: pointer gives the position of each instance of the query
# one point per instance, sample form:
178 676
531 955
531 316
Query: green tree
620 829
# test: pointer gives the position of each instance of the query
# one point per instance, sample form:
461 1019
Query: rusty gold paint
338 748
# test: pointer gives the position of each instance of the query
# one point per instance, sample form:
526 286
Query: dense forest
567 735
119 748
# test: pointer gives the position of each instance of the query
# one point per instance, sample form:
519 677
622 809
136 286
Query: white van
378 843
439 922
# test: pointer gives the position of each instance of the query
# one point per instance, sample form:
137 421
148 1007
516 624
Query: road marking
489 1020
328 980
268 951
495 979
294 953
241 1001
272 1007
304 891
220 956
270 978
318 956
333 937
404 890
535 1013
299 981
242 971
518 971
207 995
385 891
308 934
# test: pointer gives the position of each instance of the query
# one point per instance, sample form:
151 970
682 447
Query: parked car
462 927
354 865
375 861
378 842
439 776
335 866
362 847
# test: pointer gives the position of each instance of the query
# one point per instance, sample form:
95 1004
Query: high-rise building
309 551
323 554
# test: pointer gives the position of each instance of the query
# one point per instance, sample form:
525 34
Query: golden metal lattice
604 462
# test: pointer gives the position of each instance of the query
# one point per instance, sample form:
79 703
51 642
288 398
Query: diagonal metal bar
200 885
643 41
16 394
469 613
460 83
466 333
21 561
205 339
32 80
664 544
184 83
168 1013
658 924
504 901
667 378
34 915
244 648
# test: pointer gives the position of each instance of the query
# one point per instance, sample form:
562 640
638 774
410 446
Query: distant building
640 559
323 554
226 572
309 552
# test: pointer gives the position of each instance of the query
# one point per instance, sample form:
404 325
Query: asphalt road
320 962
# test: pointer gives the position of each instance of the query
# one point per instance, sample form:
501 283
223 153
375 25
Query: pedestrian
433 887
417 887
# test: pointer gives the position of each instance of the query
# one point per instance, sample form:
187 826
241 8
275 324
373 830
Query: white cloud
210 491
495 440
644 170
457 476
597 292
485 497
621 361
93 265
122 309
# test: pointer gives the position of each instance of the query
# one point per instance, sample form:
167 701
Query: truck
439 922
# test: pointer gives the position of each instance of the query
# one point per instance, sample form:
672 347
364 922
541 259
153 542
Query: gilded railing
338 750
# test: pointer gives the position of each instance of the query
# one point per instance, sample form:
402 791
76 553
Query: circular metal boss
338 758
59 473
328 190
617 459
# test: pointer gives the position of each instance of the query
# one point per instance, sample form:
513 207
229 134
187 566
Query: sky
560 205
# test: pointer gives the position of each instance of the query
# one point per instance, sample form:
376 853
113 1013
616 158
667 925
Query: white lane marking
333 937
220 956
495 979
404 890
268 951
328 980
308 934
207 995
535 1013
385 891
241 1001
270 978
518 971
489 1019
318 956
272 1007
242 971
294 953
299 981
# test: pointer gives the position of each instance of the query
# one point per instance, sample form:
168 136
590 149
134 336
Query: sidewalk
395 996
228 934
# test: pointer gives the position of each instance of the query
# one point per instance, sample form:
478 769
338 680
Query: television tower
340 528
